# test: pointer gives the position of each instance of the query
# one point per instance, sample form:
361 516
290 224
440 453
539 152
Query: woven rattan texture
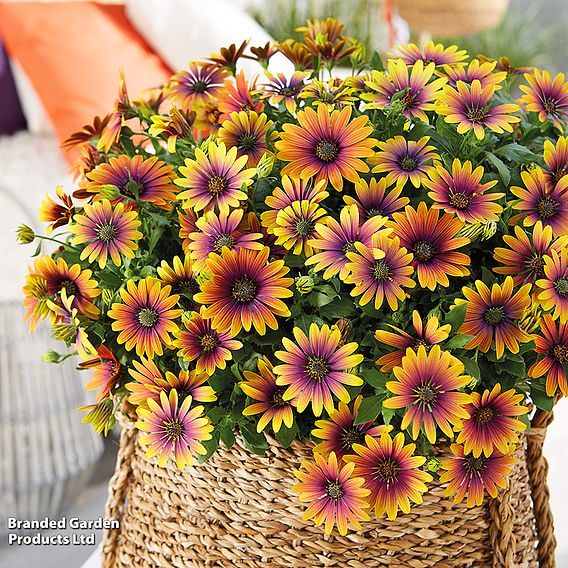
237 509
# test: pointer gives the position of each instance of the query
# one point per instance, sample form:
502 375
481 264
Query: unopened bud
51 357
489 229
25 235
109 191
433 464
344 327
265 165
472 232
304 284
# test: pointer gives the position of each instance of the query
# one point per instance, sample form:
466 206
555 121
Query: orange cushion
72 53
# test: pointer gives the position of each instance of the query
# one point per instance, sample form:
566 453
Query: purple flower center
426 394
209 341
70 287
407 99
484 415
173 429
380 271
546 207
352 436
561 286
133 188
243 290
560 173
550 105
334 490
199 86
475 114
386 469
459 201
494 315
327 150
224 240
147 317
408 164
248 142
278 397
349 246
188 286
286 92
304 227
423 251
317 368
560 353
536 266
474 465
107 232
217 185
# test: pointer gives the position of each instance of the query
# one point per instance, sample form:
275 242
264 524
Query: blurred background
59 67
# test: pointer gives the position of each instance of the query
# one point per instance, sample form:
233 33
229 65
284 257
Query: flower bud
109 191
344 327
25 235
304 284
472 232
433 464
264 166
51 357
489 229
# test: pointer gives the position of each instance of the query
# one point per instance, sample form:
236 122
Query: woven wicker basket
237 509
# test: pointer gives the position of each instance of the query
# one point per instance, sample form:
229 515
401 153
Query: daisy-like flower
181 276
379 272
336 496
547 96
281 89
425 335
145 318
542 201
524 257
172 431
491 316
391 473
106 231
492 422
482 72
404 160
554 285
427 386
461 192
433 241
336 239
295 226
327 145
556 159
176 125
55 214
148 180
58 275
335 94
215 232
238 96
410 84
291 190
245 290
471 476
252 224
200 84
340 432
430 53
374 198
110 127
146 377
199 342
271 404
214 182
36 299
317 367
246 131
187 225
187 383
228 56
106 372
471 107
552 345
297 53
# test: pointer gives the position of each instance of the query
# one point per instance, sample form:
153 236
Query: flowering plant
376 263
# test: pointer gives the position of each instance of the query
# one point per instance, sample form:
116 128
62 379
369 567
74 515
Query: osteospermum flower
410 84
391 473
317 367
328 145
199 342
187 225
181 276
291 190
373 198
461 192
215 232
471 107
475 70
554 285
188 383
552 346
492 422
404 160
36 299
491 316
106 372
200 84
246 131
148 180
54 213
146 377
340 432
145 318
334 94
542 201
336 239
297 53
556 159
295 226
112 125
271 404
285 90
58 275
336 496
429 53
214 182
424 334
173 432
471 476
238 96
245 290
427 386
106 231
547 97
433 241
379 272
176 125
524 257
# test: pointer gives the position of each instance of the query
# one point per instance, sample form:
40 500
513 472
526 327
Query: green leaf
227 435
516 153
369 409
388 414
109 280
541 400
339 308
286 435
456 317
319 299
216 413
210 446
254 441
457 341
515 368
374 377
471 367
504 172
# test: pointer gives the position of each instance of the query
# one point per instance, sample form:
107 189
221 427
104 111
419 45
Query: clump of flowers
374 265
